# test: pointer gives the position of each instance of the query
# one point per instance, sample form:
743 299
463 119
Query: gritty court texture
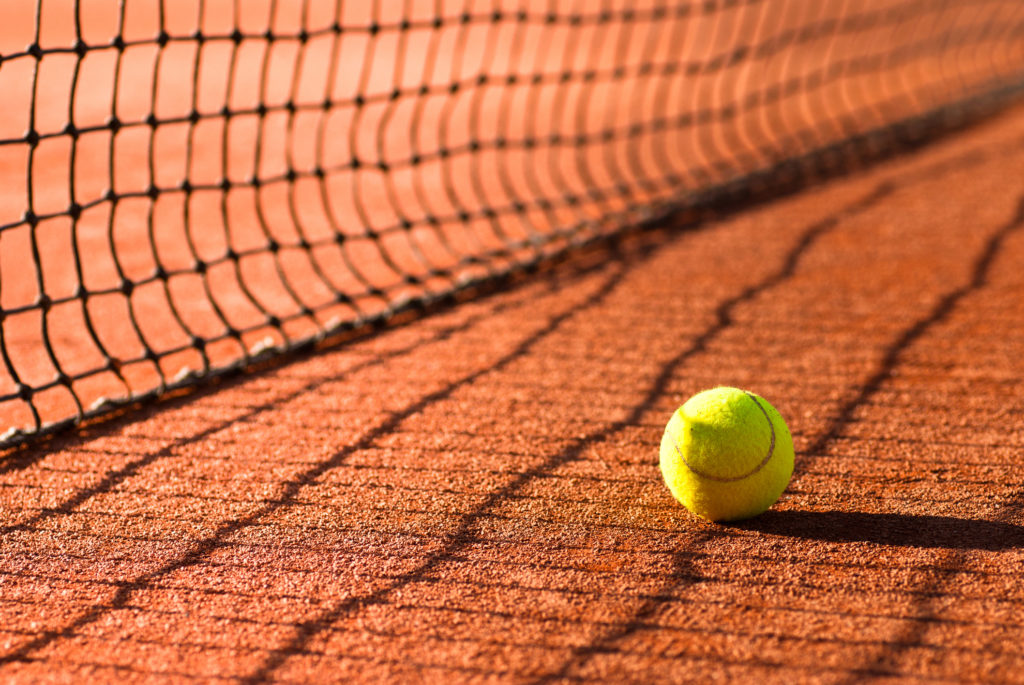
469 491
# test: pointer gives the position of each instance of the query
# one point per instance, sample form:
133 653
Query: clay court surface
474 496
471 493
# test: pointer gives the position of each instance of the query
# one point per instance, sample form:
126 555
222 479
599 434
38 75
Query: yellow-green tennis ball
726 454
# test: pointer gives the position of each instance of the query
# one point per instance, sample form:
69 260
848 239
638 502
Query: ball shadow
900 530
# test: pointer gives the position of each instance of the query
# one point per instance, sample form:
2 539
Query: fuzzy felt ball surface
726 454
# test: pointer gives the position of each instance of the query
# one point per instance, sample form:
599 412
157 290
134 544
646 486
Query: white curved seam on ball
722 479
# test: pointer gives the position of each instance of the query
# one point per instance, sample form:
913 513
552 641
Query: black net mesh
189 185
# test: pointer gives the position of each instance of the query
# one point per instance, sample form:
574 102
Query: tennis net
190 186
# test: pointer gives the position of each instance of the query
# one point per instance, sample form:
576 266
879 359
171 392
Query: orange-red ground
474 496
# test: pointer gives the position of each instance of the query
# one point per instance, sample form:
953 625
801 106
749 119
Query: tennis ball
726 454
